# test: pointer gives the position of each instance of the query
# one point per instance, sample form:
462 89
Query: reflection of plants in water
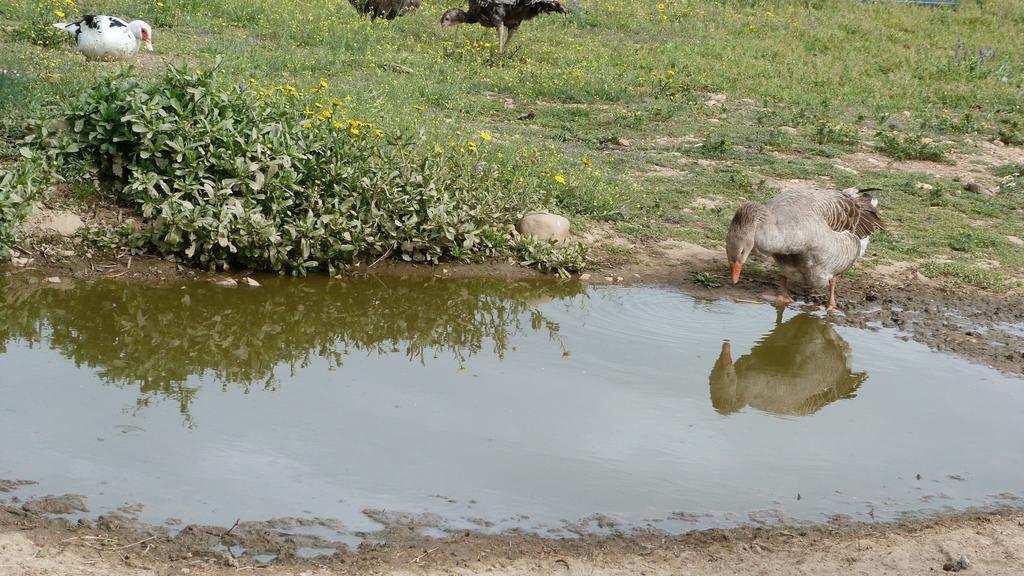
802 366
161 336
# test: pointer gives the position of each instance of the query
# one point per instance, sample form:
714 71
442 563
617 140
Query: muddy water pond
488 405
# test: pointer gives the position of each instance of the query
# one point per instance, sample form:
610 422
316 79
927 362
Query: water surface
486 404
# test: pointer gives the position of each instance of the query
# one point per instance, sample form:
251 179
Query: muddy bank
983 542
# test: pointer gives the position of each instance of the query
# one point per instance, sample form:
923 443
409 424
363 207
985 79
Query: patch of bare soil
962 167
990 543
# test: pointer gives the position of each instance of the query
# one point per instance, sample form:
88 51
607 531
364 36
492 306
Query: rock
962 564
544 226
609 279
624 143
976 188
789 130
898 120
250 282
58 222
923 186
846 169
21 262
584 277
60 505
226 282
1015 241
53 280
717 98
619 278
712 103
998 143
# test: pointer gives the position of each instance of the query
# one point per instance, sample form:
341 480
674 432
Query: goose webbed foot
783 298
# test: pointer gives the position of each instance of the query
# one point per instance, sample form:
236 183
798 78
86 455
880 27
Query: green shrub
562 259
19 187
909 146
279 179
828 132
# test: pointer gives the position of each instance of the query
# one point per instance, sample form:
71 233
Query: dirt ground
990 543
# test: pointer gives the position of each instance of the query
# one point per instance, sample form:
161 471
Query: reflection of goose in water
799 368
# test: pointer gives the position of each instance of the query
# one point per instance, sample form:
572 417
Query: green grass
805 83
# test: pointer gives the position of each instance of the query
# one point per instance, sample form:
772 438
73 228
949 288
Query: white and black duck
107 37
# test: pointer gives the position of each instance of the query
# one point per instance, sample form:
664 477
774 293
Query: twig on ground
417 559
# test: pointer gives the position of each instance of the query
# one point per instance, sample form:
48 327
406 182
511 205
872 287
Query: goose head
739 242
143 33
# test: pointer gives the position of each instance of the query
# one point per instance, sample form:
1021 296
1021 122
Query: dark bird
388 9
504 15
802 366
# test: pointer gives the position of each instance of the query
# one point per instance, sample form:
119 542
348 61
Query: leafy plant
828 132
549 256
716 146
1011 132
909 146
19 188
705 279
280 180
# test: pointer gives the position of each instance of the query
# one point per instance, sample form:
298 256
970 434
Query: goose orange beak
736 268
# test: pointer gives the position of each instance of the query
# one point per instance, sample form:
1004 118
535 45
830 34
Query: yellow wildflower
486 135
560 179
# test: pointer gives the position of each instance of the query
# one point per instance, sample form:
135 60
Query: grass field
659 117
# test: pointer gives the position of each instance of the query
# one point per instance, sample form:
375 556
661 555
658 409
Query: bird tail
69 27
869 221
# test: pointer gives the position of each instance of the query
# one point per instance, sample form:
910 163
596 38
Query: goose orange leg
783 298
832 295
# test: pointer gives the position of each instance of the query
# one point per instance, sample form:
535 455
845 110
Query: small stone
544 226
53 280
962 564
998 143
712 103
250 282
976 188
62 223
846 169
1015 241
619 278
717 98
923 186
609 279
789 130
624 143
584 277
226 282
67 253
21 262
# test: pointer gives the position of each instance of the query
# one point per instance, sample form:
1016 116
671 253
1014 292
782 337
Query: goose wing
853 211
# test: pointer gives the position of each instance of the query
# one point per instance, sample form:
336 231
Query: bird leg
508 36
832 295
501 38
784 298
